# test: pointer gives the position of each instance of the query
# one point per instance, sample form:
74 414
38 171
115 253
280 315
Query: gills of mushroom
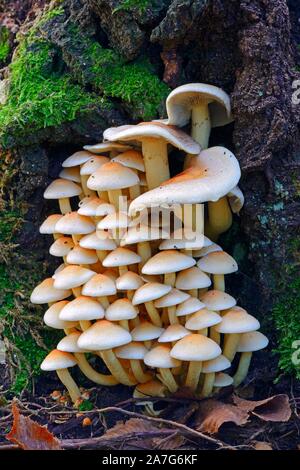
218 264
248 343
209 369
160 358
135 353
63 190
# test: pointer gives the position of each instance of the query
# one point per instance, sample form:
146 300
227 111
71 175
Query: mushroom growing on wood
121 310
48 227
82 309
209 369
135 353
76 225
248 343
218 264
146 294
121 258
62 190
100 286
160 358
169 301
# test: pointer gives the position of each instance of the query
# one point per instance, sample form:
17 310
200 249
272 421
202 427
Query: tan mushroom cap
203 319
75 224
216 365
105 209
69 343
168 261
106 147
236 199
70 174
153 388
206 250
173 333
46 293
129 281
180 103
189 306
252 341
72 276
174 297
185 239
58 360
121 257
103 335
48 226
237 321
111 176
132 350
154 130
61 188
146 332
90 206
78 158
99 240
114 221
150 291
131 159
195 347
214 172
121 309
223 380
82 308
51 317
58 269
61 247
192 278
81 255
93 164
218 300
99 285
160 357
142 233
218 262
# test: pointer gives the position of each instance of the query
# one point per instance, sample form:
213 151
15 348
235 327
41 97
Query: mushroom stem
219 218
155 153
219 282
242 369
116 368
144 250
201 124
85 324
230 346
168 380
194 371
87 191
114 196
203 332
76 291
193 293
173 319
138 372
208 385
123 270
69 383
56 236
153 313
124 324
76 239
104 302
214 335
170 279
92 374
101 254
64 205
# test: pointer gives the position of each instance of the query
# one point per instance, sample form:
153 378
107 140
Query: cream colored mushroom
71 174
121 311
217 301
76 225
121 258
218 264
191 280
129 282
51 317
72 277
47 293
146 332
169 301
88 168
202 320
111 147
101 286
134 160
135 353
48 226
82 309
62 190
159 357
248 343
209 369
99 241
146 294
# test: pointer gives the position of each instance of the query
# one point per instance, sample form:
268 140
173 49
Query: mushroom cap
62 188
100 285
145 331
185 239
181 101
237 321
112 176
58 269
216 365
121 309
132 159
48 226
61 247
132 350
89 207
236 199
223 380
46 293
129 281
75 224
160 357
174 297
150 291
78 158
106 147
82 308
154 130
214 172
168 261
51 317
252 341
58 360
217 300
121 257
153 388
142 233
189 306
70 174
99 240
81 255
195 347
69 343
72 276
103 335
113 221
218 262
192 278
173 333
202 319
206 250
93 164
105 209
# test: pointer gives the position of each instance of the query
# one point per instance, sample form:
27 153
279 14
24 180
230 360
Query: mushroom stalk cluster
140 291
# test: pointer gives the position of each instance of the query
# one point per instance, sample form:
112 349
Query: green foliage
4 44
10 221
86 405
127 5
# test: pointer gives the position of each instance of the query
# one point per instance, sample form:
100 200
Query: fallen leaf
262 446
29 435
275 409
131 427
212 414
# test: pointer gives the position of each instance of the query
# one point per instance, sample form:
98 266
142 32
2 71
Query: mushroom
129 282
79 255
189 306
169 301
48 226
121 258
146 294
71 174
111 147
173 333
88 168
192 279
60 362
51 317
89 205
248 343
160 358
146 332
47 293
219 218
72 277
100 286
236 199
209 368
134 160
195 349
221 381
62 190
185 239
217 301
61 247
155 137
76 225
135 353
202 320
116 224
206 250
121 311
99 241
218 264
152 388
82 309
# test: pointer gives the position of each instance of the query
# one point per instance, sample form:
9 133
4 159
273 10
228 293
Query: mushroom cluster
141 282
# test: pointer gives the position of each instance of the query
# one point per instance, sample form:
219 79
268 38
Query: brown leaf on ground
212 414
275 409
29 435
262 446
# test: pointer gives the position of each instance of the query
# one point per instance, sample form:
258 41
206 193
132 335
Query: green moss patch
4 44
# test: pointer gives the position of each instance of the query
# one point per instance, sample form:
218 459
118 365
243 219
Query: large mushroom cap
72 276
218 262
121 257
69 343
121 309
99 285
81 255
150 291
174 297
180 103
132 350
146 332
103 335
78 158
129 281
169 261
195 347
202 319
82 308
51 317
75 224
192 278
46 292
61 188
132 159
217 300
111 176
61 247
173 333
214 172
58 360
154 130
48 226
93 164
252 341
189 306
106 147
216 365
237 321
160 357
99 240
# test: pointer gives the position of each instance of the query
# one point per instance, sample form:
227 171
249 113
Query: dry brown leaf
212 414
29 435
128 428
260 445
275 409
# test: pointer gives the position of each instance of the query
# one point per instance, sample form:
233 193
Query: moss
4 44
127 5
